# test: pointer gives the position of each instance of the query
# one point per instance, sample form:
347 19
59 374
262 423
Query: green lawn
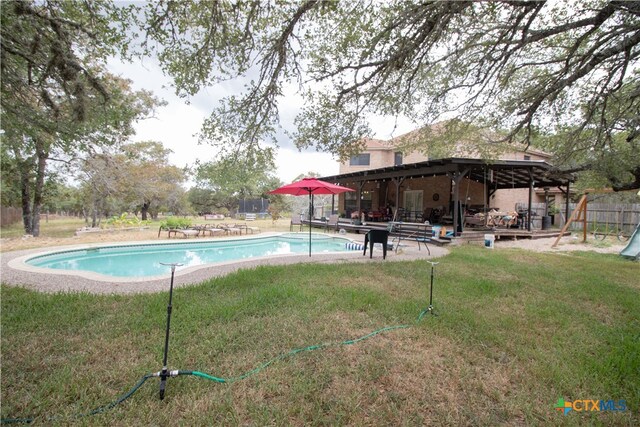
516 331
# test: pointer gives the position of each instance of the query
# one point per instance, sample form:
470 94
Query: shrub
124 220
174 222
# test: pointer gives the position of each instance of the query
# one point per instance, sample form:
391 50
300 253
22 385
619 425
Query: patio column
530 199
359 196
457 219
566 202
398 182
486 194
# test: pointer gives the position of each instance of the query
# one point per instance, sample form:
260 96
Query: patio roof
499 174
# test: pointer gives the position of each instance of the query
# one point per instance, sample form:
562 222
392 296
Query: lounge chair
249 228
295 220
376 236
186 233
230 228
211 229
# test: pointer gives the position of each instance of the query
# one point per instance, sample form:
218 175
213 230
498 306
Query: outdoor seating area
209 230
493 218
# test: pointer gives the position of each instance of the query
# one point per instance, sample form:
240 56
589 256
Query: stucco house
412 185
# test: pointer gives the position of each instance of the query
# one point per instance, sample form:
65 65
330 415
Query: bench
250 217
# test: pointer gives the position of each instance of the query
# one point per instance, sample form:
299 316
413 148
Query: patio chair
376 236
423 236
295 220
332 223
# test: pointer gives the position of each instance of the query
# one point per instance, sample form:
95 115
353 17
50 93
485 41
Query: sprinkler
429 309
164 374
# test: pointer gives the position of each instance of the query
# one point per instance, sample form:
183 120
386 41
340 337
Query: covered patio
444 189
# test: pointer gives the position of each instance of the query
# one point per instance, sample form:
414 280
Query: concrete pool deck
14 272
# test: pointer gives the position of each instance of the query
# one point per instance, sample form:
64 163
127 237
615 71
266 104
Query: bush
173 222
124 220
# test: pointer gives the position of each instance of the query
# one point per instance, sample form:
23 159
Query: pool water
144 260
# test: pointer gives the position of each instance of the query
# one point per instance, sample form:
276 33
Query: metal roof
499 174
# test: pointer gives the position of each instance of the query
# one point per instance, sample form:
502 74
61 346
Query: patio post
566 202
530 199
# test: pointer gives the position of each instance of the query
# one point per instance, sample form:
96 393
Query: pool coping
14 272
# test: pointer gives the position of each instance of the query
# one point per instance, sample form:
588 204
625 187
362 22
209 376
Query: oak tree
522 69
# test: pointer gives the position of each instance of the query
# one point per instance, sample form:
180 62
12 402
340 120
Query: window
527 157
397 158
351 201
360 160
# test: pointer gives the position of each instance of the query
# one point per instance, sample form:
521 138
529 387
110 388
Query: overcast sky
177 124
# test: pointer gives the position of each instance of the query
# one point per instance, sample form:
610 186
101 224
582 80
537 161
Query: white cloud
291 163
176 124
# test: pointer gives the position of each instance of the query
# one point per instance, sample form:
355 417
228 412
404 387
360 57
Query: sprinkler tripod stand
429 309
165 373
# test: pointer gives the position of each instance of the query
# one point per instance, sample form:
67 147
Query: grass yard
61 230
516 331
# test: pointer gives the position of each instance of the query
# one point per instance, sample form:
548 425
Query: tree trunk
94 212
39 188
25 192
24 169
145 210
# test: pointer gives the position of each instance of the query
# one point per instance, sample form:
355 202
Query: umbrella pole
310 209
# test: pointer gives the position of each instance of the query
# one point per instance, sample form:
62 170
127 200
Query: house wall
520 155
470 191
506 199
414 157
379 157
382 154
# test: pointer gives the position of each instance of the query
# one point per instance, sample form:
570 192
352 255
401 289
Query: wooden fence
9 215
624 215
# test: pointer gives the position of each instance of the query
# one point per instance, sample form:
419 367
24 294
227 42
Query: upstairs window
397 158
360 160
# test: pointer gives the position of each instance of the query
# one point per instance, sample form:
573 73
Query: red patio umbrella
310 186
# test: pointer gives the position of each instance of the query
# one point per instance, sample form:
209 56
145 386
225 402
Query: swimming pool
143 260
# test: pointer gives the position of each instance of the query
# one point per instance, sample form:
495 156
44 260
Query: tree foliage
147 181
133 177
523 68
49 53
222 183
57 102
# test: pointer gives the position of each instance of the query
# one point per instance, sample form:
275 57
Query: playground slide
632 250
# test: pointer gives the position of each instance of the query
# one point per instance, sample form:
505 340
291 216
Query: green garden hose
206 376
